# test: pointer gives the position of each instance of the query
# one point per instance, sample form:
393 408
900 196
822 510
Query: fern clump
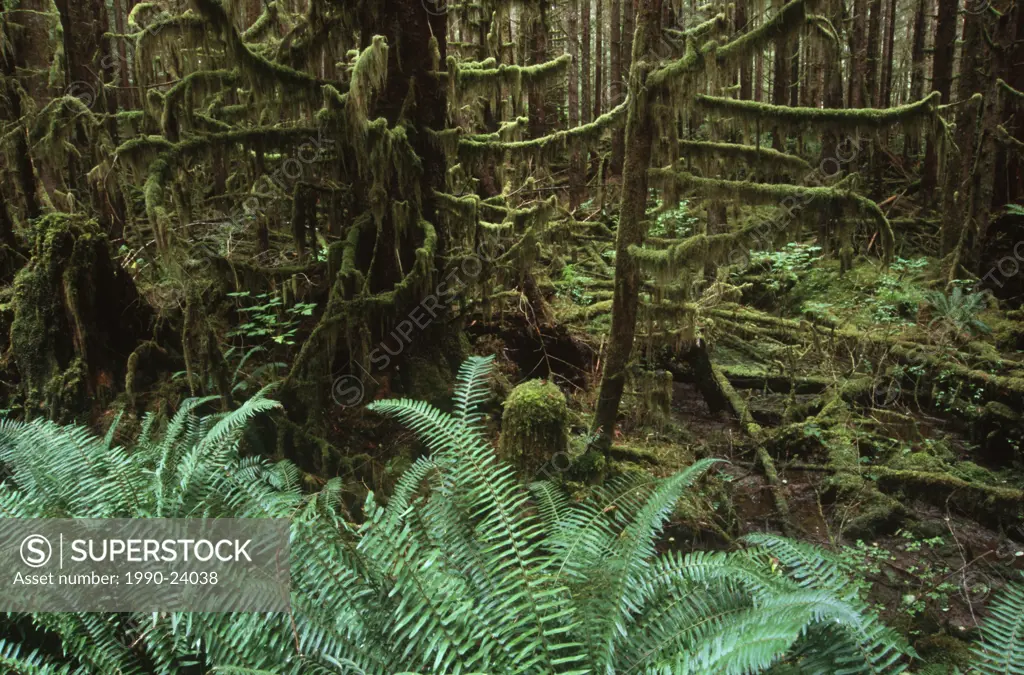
462 570
958 311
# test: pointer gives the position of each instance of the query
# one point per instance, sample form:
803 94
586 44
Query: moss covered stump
76 319
534 425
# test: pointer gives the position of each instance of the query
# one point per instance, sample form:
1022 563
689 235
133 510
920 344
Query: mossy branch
1010 90
826 118
784 195
260 26
475 148
788 20
259 71
187 84
1008 139
472 75
748 153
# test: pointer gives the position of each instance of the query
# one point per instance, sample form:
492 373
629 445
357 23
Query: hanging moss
262 73
183 93
369 76
665 264
534 426
653 390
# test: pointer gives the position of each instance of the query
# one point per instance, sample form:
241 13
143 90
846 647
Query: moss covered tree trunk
77 318
639 140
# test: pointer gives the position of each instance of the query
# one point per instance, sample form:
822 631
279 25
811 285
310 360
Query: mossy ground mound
534 426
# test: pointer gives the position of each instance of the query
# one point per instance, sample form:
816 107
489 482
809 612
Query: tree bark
538 123
626 56
888 56
858 54
874 54
639 141
942 82
598 58
782 68
918 69
615 81
576 168
745 75
586 91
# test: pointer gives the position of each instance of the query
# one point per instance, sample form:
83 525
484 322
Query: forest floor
890 411
903 464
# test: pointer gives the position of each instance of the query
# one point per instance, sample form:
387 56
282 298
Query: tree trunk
918 68
782 68
794 71
1014 114
615 80
598 58
888 56
573 40
626 56
873 54
126 94
576 168
586 91
858 53
759 76
745 75
957 209
942 82
639 141
538 124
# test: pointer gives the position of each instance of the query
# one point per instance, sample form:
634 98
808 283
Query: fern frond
471 387
868 647
1002 635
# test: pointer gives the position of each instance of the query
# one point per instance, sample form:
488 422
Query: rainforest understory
789 236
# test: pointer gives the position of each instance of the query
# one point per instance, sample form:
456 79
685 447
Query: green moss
919 461
945 650
876 513
534 425
970 471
